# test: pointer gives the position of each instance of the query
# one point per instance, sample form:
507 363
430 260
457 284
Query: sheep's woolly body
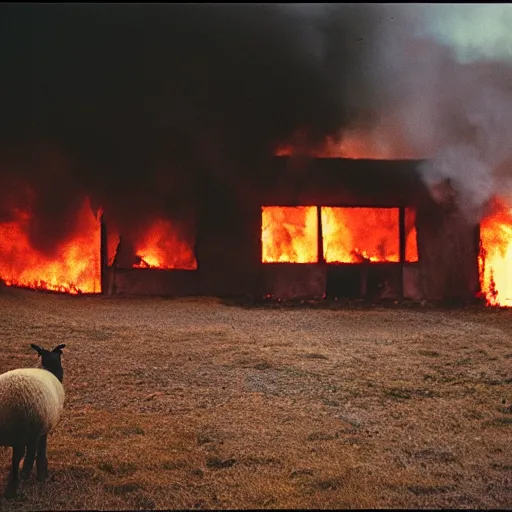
31 401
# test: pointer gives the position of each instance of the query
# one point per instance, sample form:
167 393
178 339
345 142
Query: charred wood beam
480 256
103 256
402 235
320 236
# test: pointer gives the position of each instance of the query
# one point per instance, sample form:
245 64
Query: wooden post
260 283
320 248
401 228
480 259
103 256
364 279
320 236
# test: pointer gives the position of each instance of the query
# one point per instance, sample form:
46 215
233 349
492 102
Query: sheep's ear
39 350
59 348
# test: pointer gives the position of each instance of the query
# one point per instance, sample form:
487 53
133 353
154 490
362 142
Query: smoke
146 103
141 106
442 75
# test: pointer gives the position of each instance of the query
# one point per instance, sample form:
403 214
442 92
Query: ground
199 404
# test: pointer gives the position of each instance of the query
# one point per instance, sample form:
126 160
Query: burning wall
448 245
495 258
364 211
73 267
145 123
349 235
440 247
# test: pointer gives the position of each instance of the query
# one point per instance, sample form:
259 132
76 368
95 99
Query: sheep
31 402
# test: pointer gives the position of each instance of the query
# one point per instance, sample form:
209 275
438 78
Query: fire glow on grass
350 235
495 259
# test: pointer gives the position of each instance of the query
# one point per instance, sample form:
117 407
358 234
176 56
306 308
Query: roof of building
345 182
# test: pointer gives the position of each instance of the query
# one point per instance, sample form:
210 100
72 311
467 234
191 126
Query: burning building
348 228
262 150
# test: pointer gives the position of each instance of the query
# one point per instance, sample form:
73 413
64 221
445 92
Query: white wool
31 402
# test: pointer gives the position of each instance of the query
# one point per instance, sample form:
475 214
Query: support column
478 248
402 238
320 248
103 256
320 236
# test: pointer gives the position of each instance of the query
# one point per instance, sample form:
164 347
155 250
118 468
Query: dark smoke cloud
138 105
142 102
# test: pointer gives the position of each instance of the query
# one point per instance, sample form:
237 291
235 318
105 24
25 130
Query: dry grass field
197 404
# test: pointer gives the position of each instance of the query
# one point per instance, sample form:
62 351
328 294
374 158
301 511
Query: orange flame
353 235
411 236
162 247
76 269
350 235
354 145
495 260
289 234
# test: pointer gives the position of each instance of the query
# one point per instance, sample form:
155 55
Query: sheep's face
51 360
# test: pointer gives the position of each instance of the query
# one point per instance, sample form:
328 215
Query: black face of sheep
51 360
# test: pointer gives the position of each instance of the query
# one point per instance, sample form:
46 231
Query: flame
411 242
350 235
162 247
289 234
76 268
353 235
495 260
353 145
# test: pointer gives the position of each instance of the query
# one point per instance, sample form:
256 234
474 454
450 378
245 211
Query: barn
319 227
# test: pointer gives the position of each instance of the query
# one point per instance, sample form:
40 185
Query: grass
192 404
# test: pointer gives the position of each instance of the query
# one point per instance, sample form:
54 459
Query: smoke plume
442 75
137 106
134 105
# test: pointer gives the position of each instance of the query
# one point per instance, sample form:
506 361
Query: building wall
154 282
294 281
228 244
448 255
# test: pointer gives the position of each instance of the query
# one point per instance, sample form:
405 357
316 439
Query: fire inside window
349 235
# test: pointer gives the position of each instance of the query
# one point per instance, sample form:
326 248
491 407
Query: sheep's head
51 360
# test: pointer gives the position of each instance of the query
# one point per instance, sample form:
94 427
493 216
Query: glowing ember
289 234
76 269
495 259
163 248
